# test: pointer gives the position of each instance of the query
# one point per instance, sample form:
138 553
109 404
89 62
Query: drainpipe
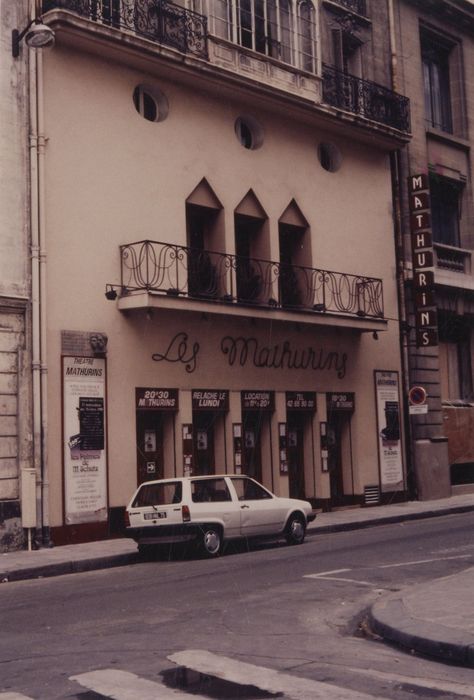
396 169
393 46
38 293
43 293
35 289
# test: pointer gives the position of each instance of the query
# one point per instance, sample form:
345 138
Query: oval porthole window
329 156
150 103
249 132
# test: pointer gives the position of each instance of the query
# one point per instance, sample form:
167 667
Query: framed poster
84 440
389 431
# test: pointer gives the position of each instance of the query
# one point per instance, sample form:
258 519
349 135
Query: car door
261 513
212 501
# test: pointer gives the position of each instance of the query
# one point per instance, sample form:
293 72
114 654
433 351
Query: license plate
155 516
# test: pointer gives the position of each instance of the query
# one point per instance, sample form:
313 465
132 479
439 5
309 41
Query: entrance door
203 438
334 444
251 448
296 456
149 445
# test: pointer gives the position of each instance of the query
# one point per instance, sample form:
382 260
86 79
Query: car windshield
249 490
158 494
209 491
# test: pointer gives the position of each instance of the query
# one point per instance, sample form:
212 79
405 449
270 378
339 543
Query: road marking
328 573
13 696
424 561
122 685
457 688
262 677
339 578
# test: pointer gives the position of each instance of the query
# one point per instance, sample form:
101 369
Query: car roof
193 478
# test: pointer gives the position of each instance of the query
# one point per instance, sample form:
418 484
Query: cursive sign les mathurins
240 351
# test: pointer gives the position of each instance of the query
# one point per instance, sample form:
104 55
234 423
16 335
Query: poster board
389 439
84 440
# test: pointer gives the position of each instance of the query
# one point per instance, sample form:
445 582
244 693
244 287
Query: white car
211 510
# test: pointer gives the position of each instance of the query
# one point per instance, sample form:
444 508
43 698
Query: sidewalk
436 619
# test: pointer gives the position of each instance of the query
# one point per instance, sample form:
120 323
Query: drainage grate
371 495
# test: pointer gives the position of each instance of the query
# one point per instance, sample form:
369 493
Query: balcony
227 282
452 258
158 20
357 6
365 98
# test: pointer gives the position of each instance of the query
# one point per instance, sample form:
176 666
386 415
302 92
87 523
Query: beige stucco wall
113 178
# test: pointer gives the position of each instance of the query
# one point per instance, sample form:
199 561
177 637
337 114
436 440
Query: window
203 226
435 57
251 251
329 156
106 11
150 103
249 132
202 273
290 239
210 491
293 280
158 494
248 272
249 490
455 357
276 28
446 199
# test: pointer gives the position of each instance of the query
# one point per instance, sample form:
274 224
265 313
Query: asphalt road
297 610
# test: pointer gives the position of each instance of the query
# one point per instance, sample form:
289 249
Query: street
298 610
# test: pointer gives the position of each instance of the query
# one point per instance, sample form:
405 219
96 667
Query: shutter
8 413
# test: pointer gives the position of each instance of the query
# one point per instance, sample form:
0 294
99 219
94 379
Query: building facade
16 428
219 290
434 48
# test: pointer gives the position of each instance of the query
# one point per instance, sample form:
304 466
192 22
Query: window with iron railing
281 29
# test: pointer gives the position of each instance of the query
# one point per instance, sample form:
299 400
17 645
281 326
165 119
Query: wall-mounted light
375 335
37 35
110 293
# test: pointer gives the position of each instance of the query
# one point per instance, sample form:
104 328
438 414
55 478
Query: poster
84 420
389 431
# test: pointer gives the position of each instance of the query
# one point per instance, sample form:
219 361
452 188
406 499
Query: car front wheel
211 541
295 529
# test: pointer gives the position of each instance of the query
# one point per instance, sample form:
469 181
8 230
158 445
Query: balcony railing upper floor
357 6
365 98
277 48
220 278
158 20
453 258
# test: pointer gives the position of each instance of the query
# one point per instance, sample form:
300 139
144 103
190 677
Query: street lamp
37 35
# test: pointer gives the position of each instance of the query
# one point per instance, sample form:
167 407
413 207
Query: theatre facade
218 276
310 411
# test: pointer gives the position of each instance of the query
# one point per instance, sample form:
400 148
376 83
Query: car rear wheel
295 529
211 541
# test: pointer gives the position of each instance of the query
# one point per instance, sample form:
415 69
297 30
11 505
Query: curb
391 620
69 567
115 560
389 520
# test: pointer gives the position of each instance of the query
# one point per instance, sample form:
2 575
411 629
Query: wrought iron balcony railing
366 98
158 20
179 271
358 6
